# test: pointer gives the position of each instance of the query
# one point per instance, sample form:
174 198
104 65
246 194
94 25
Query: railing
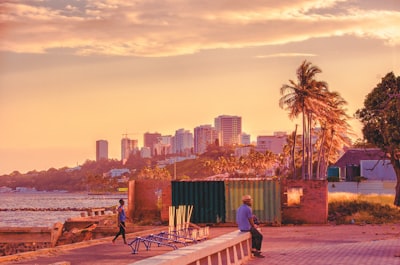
231 249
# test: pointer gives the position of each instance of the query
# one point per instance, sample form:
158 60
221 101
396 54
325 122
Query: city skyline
75 71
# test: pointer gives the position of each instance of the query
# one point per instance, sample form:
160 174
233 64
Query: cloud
175 27
276 55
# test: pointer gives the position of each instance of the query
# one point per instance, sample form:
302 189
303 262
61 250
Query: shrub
363 209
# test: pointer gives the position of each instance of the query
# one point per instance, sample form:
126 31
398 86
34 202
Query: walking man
121 221
245 221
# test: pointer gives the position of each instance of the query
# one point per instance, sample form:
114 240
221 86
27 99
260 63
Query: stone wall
305 201
15 240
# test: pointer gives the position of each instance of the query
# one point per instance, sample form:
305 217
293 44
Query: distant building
151 139
229 129
163 146
117 172
128 148
101 150
145 152
73 169
204 135
243 150
182 142
273 143
245 139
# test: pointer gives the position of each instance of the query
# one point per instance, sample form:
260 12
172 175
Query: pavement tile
285 245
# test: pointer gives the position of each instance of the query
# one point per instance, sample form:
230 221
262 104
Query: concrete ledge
237 242
60 249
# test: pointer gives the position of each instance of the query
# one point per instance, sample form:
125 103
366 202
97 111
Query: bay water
44 209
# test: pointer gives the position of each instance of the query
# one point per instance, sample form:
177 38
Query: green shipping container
207 198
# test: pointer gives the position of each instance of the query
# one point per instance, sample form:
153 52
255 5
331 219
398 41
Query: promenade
324 245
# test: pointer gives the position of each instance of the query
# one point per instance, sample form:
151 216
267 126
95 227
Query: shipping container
217 201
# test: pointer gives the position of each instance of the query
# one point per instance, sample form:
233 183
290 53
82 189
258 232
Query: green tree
255 163
154 173
381 122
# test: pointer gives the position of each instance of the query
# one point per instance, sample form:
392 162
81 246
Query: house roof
353 156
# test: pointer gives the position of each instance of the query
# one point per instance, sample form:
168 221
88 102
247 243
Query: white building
117 172
273 143
163 145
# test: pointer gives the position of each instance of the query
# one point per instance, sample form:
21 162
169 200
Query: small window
294 195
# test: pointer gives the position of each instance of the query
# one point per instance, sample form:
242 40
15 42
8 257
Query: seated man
245 221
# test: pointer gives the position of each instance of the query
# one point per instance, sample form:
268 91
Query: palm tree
306 97
335 129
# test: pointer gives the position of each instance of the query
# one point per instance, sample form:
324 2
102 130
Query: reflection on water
48 200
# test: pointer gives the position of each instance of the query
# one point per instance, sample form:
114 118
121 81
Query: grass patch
350 208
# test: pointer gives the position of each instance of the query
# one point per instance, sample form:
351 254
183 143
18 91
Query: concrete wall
312 204
365 187
148 200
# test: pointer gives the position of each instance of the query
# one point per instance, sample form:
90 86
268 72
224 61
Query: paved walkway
317 245
331 245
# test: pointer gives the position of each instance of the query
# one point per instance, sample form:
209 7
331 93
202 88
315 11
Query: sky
76 71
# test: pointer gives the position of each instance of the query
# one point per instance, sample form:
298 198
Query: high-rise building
204 135
128 147
151 139
229 129
182 142
101 150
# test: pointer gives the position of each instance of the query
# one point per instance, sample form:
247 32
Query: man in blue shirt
245 221
121 221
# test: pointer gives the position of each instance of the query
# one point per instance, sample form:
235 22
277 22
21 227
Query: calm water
37 203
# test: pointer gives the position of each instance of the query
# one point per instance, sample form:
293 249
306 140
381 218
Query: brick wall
312 207
149 200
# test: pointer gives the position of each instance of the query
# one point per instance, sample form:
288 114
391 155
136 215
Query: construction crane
125 135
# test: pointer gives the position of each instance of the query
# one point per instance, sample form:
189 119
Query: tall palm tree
305 97
335 130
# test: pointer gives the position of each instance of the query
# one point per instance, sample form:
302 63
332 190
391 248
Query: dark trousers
121 231
256 238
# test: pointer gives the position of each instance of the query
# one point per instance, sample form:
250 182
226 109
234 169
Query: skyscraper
204 135
229 129
101 150
128 147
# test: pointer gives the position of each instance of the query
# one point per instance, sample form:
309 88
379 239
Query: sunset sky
76 71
